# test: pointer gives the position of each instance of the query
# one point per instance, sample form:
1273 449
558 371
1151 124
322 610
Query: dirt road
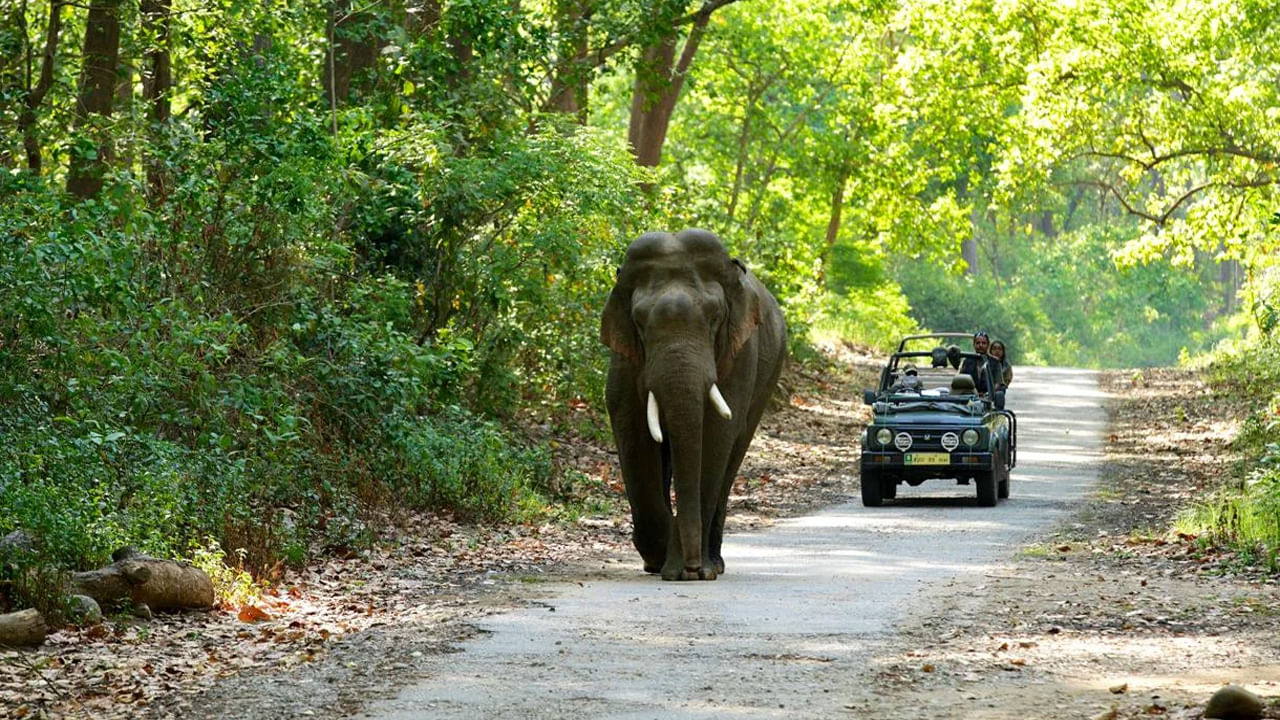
792 627
1073 599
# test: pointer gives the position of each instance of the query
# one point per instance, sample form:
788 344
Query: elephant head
681 309
683 321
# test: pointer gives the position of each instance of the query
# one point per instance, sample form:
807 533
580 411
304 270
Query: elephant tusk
722 407
655 430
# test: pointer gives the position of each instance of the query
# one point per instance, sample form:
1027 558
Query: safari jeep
933 421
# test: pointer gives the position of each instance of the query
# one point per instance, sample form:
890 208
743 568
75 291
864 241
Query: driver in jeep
973 366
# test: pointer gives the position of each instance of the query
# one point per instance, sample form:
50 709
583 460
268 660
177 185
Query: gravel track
793 626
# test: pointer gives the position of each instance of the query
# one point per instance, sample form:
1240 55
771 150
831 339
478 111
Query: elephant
698 345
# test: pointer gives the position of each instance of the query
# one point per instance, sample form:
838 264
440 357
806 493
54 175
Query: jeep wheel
871 496
1002 488
889 488
987 493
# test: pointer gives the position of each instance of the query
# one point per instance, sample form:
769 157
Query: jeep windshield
938 378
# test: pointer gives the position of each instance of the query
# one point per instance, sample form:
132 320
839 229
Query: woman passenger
1004 371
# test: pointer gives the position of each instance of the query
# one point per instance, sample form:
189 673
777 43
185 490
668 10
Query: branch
1113 190
599 56
703 12
339 19
1164 216
1231 150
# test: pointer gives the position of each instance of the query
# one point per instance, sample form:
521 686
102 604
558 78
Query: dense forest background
270 268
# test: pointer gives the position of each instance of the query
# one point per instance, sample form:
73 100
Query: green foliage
458 461
266 387
287 310
505 249
877 317
948 303
1246 514
1070 305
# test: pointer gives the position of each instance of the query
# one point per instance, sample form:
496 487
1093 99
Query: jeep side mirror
998 396
869 396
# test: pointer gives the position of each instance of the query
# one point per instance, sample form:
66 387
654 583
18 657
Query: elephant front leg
724 483
676 566
651 523
645 474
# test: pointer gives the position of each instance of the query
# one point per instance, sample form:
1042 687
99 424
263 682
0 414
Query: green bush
1246 514
232 362
947 303
876 317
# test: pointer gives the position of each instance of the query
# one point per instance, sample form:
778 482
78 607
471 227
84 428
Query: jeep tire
1002 488
871 496
987 490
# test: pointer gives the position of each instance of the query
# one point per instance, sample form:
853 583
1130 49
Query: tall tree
94 101
354 41
28 114
572 72
157 80
659 77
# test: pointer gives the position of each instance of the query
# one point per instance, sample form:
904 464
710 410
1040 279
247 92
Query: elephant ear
617 329
743 317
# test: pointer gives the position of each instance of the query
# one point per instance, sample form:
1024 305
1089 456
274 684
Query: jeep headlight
970 437
884 436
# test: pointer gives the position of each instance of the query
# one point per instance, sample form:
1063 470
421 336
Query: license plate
926 459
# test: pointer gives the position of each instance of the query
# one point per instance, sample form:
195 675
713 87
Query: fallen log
143 580
24 628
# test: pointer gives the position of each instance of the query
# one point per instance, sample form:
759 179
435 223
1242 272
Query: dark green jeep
935 418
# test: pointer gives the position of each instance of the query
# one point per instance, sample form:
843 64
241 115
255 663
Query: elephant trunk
681 397
682 413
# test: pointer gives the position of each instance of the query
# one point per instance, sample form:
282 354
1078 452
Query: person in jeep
973 366
1000 364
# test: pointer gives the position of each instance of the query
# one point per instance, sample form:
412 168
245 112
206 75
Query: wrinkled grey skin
684 315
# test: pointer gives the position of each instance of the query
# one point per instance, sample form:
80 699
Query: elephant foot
684 573
718 563
652 569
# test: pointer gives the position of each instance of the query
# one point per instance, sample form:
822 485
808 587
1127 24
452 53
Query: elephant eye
713 304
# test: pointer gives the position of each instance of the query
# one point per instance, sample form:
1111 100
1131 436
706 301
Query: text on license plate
926 459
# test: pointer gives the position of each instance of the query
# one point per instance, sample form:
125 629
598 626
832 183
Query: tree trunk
158 584
969 253
659 79
833 221
1229 274
1044 223
351 54
25 628
569 84
13 80
97 90
969 246
744 139
993 251
123 146
157 79
837 210
35 96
